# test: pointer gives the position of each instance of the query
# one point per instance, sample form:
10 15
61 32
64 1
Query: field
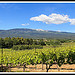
39 60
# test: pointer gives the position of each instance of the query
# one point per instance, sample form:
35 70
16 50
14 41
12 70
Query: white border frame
37 2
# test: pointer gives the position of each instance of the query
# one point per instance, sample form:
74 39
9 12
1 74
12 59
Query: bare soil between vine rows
31 68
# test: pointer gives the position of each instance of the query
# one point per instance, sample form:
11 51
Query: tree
41 42
27 41
8 42
35 42
15 41
2 45
31 41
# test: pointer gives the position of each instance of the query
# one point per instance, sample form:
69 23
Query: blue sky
46 16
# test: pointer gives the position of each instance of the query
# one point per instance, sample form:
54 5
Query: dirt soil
31 68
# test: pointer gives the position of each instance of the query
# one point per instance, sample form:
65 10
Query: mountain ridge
35 33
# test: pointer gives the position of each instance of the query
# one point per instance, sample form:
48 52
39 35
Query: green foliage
61 60
53 42
2 43
37 53
71 57
43 57
8 42
23 47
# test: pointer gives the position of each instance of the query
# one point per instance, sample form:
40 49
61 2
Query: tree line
10 42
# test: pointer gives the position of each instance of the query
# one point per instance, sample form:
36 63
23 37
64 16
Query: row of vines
48 56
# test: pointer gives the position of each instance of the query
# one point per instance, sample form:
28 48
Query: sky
46 16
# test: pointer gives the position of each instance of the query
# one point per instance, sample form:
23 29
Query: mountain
35 33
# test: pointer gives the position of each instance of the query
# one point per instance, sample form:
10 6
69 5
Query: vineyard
46 57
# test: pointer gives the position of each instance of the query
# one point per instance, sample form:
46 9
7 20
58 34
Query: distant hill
35 33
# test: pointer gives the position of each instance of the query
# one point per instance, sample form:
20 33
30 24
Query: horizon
46 16
37 29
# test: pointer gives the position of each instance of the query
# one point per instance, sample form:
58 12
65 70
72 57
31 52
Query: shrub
15 47
23 47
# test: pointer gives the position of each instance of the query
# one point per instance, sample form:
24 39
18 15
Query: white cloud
72 21
53 18
25 24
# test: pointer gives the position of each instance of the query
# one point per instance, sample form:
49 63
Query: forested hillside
35 34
